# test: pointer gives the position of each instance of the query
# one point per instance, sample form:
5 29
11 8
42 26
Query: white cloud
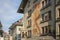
8 12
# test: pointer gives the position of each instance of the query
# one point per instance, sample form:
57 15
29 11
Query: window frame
29 34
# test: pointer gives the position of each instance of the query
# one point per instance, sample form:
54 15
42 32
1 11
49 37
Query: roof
17 23
22 6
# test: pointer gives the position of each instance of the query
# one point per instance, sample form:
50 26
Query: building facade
50 18
31 20
57 19
16 30
6 36
47 15
41 19
1 38
1 31
10 37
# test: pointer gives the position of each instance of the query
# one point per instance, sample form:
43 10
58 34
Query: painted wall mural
36 13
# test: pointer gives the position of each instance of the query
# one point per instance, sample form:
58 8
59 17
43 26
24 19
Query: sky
8 13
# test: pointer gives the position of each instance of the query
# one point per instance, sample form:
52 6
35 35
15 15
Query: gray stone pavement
41 38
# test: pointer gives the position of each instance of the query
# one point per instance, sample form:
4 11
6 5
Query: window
22 34
49 13
42 17
49 29
42 30
46 29
43 4
46 3
46 17
29 13
59 29
26 34
29 33
29 23
59 12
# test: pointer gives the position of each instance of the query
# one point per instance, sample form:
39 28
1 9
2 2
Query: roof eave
22 6
20 10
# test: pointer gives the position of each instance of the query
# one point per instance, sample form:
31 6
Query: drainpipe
54 17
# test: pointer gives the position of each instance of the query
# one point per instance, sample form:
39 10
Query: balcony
47 5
